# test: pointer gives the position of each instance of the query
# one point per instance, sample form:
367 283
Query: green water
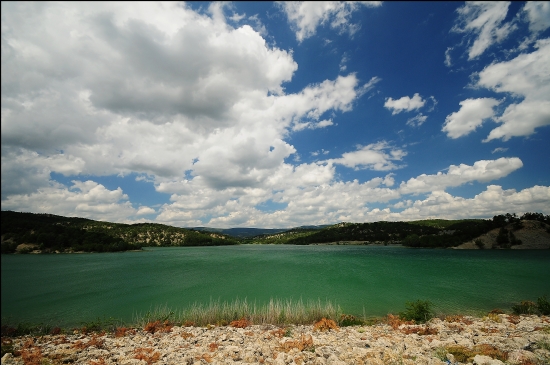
69 289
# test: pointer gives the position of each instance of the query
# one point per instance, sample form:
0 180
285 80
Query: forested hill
426 233
51 233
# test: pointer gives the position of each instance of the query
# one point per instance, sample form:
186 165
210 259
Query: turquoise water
69 289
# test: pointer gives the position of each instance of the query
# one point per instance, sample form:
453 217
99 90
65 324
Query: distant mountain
252 232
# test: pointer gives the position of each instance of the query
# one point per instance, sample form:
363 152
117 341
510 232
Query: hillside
52 233
28 232
437 233
529 234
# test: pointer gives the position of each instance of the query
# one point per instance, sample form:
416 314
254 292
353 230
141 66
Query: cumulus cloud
481 171
305 16
471 115
375 156
404 104
527 76
483 21
494 200
538 15
86 199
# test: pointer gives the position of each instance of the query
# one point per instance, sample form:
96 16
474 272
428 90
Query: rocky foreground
496 339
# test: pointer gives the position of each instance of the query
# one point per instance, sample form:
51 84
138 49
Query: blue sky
274 115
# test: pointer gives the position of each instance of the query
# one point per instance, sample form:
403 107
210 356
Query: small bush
241 323
325 325
347 320
543 305
303 343
146 354
525 307
419 311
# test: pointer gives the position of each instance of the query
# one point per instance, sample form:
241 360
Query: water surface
72 288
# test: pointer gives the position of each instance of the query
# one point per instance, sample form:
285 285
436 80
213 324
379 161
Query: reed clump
276 312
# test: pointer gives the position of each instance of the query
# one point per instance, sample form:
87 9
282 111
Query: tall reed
276 312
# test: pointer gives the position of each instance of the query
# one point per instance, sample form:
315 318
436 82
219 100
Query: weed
94 341
419 311
514 319
55 331
325 325
349 320
303 343
148 355
241 323
31 354
123 331
494 317
464 354
525 307
395 321
544 344
497 311
204 357
441 353
458 319
543 305
186 335
158 326
421 331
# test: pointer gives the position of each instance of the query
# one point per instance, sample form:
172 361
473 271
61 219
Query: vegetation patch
419 311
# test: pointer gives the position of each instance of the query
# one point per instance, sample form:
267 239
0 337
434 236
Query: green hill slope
51 233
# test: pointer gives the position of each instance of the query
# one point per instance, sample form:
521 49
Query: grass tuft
276 311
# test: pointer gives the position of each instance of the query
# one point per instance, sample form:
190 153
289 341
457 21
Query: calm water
69 289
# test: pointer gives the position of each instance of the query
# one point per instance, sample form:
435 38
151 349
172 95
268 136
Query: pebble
261 344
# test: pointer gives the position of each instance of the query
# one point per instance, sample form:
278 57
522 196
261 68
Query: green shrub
347 320
525 307
419 311
543 305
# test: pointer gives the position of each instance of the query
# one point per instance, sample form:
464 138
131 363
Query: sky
275 114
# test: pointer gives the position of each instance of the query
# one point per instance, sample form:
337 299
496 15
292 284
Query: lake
68 289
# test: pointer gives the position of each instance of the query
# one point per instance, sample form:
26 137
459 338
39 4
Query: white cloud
306 16
376 156
483 21
448 61
417 121
538 15
493 201
481 171
85 199
471 115
528 76
499 149
404 104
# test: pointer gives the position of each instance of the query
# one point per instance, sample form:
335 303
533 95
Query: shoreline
458 339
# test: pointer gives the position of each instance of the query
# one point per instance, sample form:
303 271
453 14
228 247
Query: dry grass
213 347
325 325
303 343
276 312
94 341
123 331
205 357
420 330
395 321
464 354
458 319
158 326
31 354
240 323
187 335
149 355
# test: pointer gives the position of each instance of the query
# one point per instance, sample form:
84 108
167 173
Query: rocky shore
493 340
